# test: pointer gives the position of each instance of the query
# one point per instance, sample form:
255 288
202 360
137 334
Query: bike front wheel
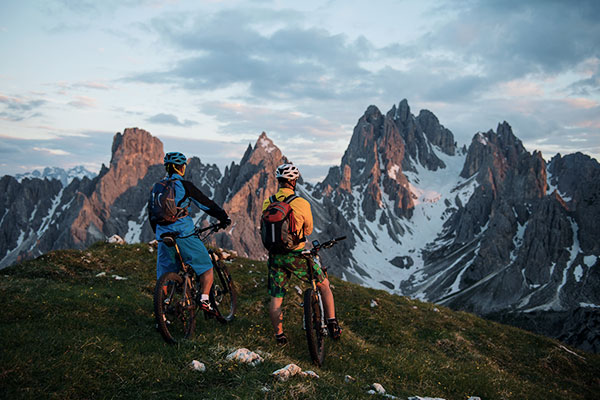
223 295
313 317
174 308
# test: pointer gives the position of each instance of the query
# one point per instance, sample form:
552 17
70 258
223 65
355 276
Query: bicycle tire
312 321
174 308
223 295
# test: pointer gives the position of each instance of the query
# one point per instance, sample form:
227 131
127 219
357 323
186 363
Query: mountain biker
281 266
190 246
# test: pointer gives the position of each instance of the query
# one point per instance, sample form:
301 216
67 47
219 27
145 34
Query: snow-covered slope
64 176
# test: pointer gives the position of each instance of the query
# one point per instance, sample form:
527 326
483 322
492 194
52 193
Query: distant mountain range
489 228
64 176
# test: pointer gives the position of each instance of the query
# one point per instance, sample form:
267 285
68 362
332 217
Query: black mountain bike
177 294
315 322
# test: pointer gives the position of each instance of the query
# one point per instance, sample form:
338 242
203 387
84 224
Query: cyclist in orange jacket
281 266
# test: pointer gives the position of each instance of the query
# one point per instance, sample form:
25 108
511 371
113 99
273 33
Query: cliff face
242 191
133 152
42 215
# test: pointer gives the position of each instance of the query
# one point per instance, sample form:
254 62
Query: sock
331 320
204 297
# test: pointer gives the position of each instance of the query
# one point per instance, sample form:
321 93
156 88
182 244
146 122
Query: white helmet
287 171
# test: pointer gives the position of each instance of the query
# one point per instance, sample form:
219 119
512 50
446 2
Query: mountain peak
265 143
403 110
137 145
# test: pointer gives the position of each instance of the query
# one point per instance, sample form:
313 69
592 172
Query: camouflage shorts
281 267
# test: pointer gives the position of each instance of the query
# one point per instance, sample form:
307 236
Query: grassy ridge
67 333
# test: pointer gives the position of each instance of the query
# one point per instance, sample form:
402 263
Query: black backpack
278 226
162 208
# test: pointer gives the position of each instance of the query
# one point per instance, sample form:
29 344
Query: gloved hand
225 223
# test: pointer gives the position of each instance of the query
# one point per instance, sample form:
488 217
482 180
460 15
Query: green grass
66 333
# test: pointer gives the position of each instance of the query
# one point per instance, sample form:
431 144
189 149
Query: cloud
170 119
24 155
83 102
247 120
509 40
20 108
54 152
230 47
92 85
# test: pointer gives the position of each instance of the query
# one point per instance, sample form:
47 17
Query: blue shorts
193 252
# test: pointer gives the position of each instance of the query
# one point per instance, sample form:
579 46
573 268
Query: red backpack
278 226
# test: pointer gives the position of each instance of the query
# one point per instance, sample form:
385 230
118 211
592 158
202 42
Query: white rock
98 275
151 249
116 239
374 303
424 398
474 398
119 278
244 355
197 366
298 290
349 379
290 370
436 309
311 374
378 388
285 373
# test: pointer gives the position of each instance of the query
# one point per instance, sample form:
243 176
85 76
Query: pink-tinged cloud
83 102
521 88
582 103
54 152
93 85
588 124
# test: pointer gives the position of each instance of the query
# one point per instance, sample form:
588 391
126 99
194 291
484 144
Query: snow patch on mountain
64 176
434 194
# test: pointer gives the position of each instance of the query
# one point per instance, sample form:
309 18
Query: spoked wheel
174 308
223 295
315 334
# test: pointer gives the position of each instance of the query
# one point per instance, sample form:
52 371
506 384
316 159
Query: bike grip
340 238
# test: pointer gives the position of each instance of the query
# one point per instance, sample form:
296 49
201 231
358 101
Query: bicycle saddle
168 238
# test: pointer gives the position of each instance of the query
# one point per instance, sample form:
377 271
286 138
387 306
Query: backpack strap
290 198
273 199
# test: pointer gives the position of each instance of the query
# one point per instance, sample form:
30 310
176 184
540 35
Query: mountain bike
314 320
177 294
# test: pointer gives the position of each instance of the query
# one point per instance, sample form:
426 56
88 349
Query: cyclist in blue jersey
191 247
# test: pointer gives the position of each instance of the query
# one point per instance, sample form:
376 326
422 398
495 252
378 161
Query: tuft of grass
71 329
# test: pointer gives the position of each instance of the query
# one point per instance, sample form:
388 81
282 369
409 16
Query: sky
208 76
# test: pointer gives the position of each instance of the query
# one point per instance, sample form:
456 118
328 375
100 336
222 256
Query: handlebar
213 227
318 246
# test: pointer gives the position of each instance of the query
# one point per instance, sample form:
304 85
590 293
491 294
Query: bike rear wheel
174 308
314 331
223 295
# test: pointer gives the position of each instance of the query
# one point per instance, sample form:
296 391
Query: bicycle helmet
174 157
287 171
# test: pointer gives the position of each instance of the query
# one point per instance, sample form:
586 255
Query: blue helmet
175 157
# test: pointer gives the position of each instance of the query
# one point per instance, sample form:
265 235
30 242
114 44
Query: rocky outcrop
133 152
242 191
575 176
42 215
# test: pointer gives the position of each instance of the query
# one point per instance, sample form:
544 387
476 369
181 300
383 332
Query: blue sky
207 77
